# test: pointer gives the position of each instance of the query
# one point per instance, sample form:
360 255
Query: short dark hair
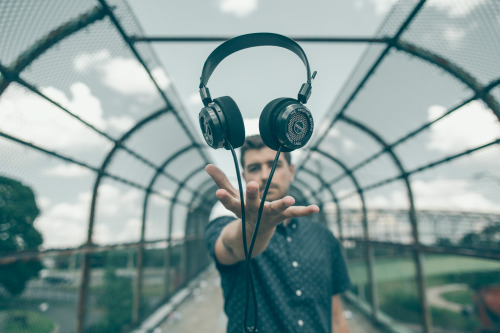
255 142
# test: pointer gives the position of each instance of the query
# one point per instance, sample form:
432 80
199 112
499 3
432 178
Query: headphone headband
247 41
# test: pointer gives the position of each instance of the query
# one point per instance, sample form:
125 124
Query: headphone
284 122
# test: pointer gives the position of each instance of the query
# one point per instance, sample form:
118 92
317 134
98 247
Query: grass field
403 269
26 321
463 297
398 294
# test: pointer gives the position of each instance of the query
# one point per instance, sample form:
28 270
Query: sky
96 82
112 92
254 77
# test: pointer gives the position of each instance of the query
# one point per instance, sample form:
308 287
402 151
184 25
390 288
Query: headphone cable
248 252
253 329
249 279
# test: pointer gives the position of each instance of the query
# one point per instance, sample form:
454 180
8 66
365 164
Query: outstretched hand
274 212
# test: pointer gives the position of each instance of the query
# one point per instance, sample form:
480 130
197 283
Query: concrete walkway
435 298
202 311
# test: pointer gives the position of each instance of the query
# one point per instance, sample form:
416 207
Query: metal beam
417 255
128 41
368 248
368 74
46 42
309 39
459 73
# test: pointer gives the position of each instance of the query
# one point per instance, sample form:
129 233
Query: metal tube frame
368 248
11 74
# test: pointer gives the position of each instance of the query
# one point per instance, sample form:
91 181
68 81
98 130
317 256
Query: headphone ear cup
267 123
235 126
287 123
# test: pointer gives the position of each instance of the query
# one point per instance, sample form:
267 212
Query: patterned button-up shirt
295 278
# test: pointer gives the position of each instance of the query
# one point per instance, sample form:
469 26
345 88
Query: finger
220 179
278 206
229 202
252 197
298 211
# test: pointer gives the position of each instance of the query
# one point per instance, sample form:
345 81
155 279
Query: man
297 263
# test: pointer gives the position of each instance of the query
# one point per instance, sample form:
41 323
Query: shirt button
294 226
295 264
300 322
298 292
289 239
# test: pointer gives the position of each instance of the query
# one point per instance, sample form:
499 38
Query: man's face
258 164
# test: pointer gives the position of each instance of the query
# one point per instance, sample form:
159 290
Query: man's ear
292 171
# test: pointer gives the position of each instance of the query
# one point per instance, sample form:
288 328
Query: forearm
339 323
340 326
231 241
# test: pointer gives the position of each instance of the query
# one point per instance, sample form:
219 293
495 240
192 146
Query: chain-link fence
103 198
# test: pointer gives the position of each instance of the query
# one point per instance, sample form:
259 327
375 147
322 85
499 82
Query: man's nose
265 171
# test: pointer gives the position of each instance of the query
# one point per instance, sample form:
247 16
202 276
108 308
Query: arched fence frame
198 210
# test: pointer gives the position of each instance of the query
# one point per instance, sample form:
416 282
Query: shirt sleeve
212 233
341 280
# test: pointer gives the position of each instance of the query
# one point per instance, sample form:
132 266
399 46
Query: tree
115 297
18 211
489 238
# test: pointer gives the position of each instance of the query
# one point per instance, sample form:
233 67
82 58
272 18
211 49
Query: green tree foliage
18 211
115 298
489 238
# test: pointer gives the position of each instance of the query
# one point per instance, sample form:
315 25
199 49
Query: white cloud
451 194
65 224
121 123
333 132
239 8
351 202
453 8
381 7
125 75
380 201
82 103
470 126
161 200
84 62
30 118
42 202
161 77
66 171
130 231
348 144
113 200
437 194
454 36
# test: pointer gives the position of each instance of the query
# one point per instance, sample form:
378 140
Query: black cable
253 329
262 202
249 279
242 201
248 252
